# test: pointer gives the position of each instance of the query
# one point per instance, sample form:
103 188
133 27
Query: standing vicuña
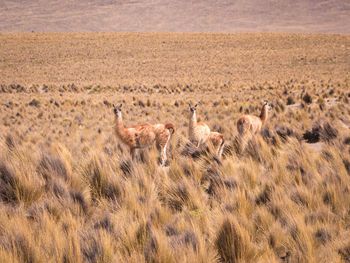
143 135
199 132
253 123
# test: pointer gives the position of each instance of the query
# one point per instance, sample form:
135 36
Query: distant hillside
310 16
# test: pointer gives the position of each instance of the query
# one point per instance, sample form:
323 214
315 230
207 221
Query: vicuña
200 133
143 135
253 123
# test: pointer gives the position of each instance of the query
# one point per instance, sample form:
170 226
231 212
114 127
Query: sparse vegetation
69 191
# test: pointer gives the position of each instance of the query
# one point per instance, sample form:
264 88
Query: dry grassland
70 193
171 59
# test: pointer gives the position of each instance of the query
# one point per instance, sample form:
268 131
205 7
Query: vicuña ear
120 106
189 104
114 106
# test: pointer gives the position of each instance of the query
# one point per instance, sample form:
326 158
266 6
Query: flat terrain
171 59
310 16
69 191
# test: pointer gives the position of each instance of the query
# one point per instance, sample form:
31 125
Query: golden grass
69 191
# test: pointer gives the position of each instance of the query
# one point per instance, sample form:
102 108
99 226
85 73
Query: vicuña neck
264 114
193 120
119 125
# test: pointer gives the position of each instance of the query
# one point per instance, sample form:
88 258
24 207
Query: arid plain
70 192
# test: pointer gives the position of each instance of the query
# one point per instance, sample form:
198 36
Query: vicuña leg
220 150
162 144
133 153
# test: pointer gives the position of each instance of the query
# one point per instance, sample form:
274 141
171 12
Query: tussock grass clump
233 243
11 142
51 166
328 132
301 243
126 166
265 196
179 196
158 250
195 152
284 132
218 185
19 187
96 246
255 149
218 181
101 181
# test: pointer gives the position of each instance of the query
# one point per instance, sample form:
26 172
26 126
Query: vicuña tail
170 127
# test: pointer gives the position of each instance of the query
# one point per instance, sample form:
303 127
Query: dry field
69 191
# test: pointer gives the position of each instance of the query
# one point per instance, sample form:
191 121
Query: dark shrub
141 104
265 196
347 165
107 103
290 100
323 235
321 131
344 252
34 103
347 140
307 98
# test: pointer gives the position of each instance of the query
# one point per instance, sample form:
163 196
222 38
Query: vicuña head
117 110
143 135
253 123
193 108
